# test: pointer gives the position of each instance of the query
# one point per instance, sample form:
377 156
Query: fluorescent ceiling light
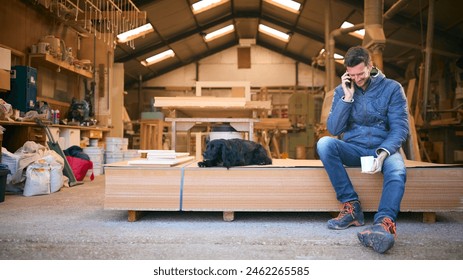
157 58
205 5
220 32
289 5
274 33
337 57
358 33
134 33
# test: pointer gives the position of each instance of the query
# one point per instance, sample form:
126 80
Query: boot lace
346 209
389 226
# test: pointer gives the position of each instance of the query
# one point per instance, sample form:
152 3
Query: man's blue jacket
376 118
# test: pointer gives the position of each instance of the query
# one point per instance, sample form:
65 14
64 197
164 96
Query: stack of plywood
287 185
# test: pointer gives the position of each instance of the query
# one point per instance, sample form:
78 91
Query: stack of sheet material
161 158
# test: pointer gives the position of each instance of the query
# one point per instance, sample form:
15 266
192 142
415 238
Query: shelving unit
72 77
50 61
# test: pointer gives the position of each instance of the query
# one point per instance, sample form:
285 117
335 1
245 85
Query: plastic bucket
111 157
3 173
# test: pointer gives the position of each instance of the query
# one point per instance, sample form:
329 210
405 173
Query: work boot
351 215
379 236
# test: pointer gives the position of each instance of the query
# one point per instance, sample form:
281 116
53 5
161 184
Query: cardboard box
5 80
5 59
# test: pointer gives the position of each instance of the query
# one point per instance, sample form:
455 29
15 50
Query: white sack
38 179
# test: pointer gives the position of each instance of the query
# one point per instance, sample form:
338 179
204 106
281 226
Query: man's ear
370 65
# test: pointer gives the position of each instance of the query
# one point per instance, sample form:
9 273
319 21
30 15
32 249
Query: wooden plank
419 99
265 140
287 185
210 107
410 93
51 61
327 102
413 143
161 162
225 84
276 148
206 102
273 123
448 121
199 101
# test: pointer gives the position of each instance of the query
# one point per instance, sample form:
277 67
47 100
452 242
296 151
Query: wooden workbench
185 124
286 185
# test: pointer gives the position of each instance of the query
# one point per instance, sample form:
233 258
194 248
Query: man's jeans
335 154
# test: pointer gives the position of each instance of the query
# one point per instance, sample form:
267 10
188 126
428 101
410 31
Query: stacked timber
286 185
161 158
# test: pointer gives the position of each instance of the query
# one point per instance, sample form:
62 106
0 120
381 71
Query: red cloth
80 167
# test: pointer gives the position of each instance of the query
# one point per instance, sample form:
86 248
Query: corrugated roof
178 28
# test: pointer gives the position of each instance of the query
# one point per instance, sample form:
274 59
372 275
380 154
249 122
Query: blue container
23 95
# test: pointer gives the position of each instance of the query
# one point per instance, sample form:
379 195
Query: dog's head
212 156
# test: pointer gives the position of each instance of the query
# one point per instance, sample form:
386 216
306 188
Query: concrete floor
72 225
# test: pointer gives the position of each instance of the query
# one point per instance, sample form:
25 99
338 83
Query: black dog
234 152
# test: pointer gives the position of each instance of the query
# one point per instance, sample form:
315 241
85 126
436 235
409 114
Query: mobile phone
348 82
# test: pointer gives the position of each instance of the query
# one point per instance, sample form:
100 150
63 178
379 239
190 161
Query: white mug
367 163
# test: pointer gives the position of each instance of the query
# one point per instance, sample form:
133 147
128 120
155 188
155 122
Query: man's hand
348 91
378 163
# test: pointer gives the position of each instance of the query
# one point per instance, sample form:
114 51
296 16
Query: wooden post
419 99
429 217
228 216
134 216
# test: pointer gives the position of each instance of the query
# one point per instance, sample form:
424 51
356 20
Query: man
370 114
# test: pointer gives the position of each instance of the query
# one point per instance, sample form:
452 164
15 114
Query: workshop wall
223 66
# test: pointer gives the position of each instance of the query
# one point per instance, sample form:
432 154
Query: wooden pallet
287 185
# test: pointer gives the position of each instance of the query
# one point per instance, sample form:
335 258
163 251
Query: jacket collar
375 76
